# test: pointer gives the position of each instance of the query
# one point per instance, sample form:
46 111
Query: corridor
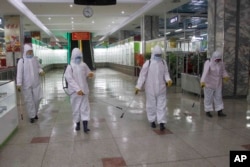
190 140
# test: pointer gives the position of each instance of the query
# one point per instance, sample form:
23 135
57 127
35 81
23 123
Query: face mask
157 58
29 56
78 60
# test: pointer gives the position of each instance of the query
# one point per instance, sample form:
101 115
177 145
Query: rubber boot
153 125
209 114
77 126
85 126
162 127
221 114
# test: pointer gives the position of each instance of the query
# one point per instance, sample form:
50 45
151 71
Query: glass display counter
8 109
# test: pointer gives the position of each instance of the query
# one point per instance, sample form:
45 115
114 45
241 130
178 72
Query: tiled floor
190 140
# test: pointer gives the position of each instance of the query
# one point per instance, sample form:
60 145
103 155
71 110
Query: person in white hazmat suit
28 80
211 80
76 75
154 74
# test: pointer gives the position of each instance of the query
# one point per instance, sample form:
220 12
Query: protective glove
42 73
18 87
80 93
169 83
226 79
91 74
203 84
137 91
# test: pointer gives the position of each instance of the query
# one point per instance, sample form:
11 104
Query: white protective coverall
154 74
212 75
76 76
28 70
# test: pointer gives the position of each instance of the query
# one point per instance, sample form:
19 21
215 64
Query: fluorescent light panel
203 35
178 30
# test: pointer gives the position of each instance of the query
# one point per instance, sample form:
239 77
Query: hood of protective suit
216 55
76 52
157 50
26 48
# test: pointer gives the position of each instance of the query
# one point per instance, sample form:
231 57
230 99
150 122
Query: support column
123 34
149 30
228 30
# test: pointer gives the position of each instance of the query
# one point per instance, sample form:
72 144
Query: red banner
80 36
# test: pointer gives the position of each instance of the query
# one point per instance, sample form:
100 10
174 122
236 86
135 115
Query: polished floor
190 140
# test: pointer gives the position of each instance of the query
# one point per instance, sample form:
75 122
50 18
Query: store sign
80 36
174 20
12 33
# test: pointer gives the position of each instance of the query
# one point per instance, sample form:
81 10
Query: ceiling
58 17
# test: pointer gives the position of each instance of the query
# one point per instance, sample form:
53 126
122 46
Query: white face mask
78 60
29 56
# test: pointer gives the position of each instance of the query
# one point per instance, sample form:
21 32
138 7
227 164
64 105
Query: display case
8 109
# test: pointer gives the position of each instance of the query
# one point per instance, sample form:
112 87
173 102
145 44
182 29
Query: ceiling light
71 5
122 12
72 18
1 29
194 26
203 35
138 13
49 18
168 33
93 22
178 30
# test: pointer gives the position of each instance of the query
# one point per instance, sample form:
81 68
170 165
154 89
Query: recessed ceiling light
93 22
49 18
72 18
122 12
113 22
71 5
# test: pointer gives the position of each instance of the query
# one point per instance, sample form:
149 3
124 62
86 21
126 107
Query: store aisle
191 139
